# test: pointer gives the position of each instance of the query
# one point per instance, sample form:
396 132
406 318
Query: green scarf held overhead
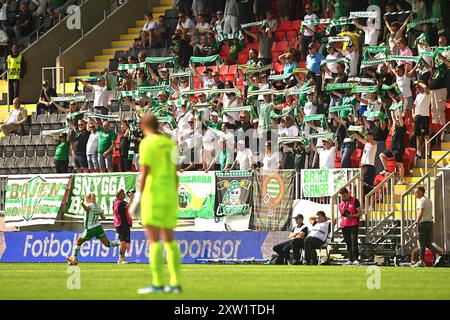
363 89
403 58
374 50
415 23
181 75
370 63
337 60
73 115
275 115
395 106
314 117
359 129
298 91
225 37
252 24
134 94
145 90
396 13
363 14
205 60
343 110
158 60
339 22
101 116
321 136
338 39
290 140
134 66
361 80
55 132
338 86
279 77
252 69
313 22
69 99
236 109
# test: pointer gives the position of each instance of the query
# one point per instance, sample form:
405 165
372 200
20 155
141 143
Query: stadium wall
44 247
43 53
93 42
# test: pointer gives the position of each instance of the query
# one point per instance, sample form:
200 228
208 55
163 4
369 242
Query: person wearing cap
101 97
327 154
421 113
62 153
214 121
243 157
313 59
295 243
45 99
368 160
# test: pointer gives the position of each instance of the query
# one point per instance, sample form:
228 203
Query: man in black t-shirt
79 137
397 146
44 104
23 26
122 220
295 242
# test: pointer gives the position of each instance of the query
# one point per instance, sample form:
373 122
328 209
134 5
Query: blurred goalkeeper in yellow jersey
157 199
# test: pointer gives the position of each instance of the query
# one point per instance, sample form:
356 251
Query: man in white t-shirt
327 154
92 147
370 32
185 25
243 157
147 31
308 30
100 95
421 112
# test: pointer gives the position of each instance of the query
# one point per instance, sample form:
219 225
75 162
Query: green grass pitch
204 282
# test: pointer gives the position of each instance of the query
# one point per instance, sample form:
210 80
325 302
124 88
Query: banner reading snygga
33 201
234 190
322 182
273 195
104 186
196 195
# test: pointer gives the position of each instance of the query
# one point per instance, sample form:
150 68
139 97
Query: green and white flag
134 66
317 183
196 195
33 201
363 14
104 186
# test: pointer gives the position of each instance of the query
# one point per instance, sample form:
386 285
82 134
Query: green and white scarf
397 13
363 14
252 24
415 23
321 136
69 99
359 129
338 86
397 105
205 60
338 39
252 69
134 94
134 66
361 80
55 132
361 89
158 60
279 77
337 60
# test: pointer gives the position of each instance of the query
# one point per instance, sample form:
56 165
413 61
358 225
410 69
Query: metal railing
427 143
101 16
355 187
379 206
408 234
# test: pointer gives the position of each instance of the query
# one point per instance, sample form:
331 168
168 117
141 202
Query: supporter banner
33 201
234 191
53 247
196 195
272 200
104 186
317 183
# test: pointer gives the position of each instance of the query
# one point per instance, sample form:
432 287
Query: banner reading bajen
33 201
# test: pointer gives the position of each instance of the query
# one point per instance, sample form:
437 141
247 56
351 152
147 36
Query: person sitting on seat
295 242
16 118
317 237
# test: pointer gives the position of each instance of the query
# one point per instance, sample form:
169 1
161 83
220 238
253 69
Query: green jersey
105 139
91 218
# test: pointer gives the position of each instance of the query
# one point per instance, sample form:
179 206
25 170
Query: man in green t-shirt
106 140
62 153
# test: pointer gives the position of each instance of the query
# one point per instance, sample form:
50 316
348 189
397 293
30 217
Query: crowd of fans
352 92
